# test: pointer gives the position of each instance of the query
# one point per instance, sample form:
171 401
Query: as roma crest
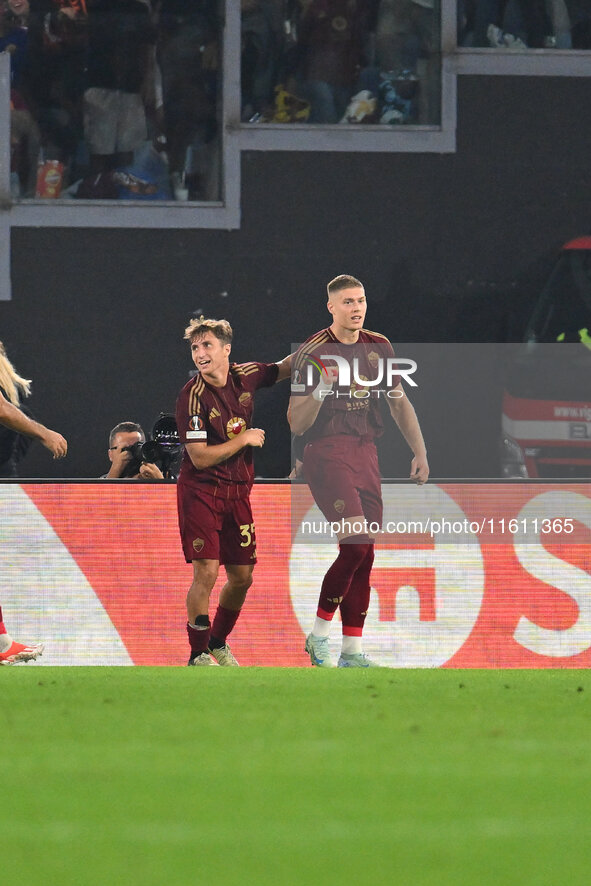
235 426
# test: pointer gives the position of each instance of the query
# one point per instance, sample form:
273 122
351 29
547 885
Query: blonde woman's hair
13 384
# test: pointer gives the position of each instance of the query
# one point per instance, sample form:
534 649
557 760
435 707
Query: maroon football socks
337 581
199 635
223 623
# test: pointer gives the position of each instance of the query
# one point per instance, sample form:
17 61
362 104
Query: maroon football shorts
214 528
343 474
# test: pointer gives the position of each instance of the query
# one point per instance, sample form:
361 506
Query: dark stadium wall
451 248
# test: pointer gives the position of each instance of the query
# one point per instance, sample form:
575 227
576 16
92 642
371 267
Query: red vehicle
547 399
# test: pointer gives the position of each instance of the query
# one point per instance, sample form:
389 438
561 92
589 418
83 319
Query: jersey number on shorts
247 531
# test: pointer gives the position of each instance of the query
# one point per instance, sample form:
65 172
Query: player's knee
205 573
355 550
240 580
242 583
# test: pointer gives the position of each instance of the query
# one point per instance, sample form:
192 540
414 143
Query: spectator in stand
262 45
20 10
580 23
407 38
53 75
532 28
121 38
188 57
13 39
330 42
24 132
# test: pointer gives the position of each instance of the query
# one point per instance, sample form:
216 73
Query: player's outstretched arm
16 420
404 415
284 367
204 456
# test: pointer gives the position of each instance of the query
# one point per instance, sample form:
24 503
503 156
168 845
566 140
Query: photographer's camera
163 450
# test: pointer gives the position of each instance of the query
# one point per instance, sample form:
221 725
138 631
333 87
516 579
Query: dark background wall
451 248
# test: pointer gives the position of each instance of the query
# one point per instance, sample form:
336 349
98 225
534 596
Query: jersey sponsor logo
215 413
244 398
358 395
235 426
198 545
339 505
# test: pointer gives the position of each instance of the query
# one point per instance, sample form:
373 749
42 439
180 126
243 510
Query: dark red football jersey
352 407
213 415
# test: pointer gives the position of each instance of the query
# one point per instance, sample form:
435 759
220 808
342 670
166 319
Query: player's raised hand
254 437
330 374
55 443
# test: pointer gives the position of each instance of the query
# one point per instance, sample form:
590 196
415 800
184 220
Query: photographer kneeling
125 442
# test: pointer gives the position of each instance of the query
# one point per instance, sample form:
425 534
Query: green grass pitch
273 777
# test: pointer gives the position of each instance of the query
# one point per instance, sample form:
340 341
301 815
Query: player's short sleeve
257 375
189 417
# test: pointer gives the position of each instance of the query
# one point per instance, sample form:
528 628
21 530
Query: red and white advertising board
96 572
